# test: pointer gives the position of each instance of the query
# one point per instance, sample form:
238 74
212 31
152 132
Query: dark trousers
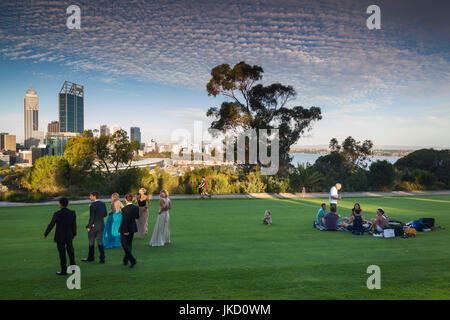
333 205
62 247
127 245
96 235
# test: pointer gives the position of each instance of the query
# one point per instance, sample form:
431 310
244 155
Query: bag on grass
389 233
418 225
398 228
410 232
428 223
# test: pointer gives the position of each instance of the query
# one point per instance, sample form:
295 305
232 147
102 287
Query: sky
146 63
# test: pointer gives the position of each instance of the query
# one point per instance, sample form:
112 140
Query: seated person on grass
356 219
331 220
380 222
321 214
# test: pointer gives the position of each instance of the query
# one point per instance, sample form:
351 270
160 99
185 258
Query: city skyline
148 66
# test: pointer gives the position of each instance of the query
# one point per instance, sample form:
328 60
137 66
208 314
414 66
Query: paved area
257 196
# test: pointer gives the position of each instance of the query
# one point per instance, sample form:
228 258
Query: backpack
428 223
418 225
358 225
398 228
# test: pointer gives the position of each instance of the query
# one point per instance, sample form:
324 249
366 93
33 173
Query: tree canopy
252 105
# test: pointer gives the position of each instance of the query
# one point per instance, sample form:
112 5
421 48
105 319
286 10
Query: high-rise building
135 135
104 130
56 143
53 127
115 129
31 116
71 108
7 142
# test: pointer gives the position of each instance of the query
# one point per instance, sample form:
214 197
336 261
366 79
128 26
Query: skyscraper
135 134
104 130
71 108
115 129
53 127
31 116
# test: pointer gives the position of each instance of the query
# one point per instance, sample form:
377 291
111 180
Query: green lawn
220 250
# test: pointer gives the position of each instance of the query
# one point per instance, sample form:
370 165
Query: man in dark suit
66 230
95 227
128 228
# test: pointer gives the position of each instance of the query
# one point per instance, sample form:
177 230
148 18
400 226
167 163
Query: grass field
220 250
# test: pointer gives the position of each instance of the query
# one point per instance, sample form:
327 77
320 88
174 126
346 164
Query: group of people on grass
122 224
355 222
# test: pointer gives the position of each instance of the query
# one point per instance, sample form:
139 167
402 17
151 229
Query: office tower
7 142
56 142
135 135
115 129
53 127
31 116
71 108
104 130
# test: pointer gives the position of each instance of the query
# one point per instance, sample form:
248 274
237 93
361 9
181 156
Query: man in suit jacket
95 227
128 228
66 230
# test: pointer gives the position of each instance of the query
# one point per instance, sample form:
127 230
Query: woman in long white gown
161 232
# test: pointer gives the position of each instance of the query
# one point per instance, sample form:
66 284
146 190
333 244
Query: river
305 158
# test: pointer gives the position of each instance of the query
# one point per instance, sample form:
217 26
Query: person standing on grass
95 226
111 234
66 229
143 202
334 195
130 213
161 233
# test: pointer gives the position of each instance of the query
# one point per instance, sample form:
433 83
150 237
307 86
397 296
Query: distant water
310 158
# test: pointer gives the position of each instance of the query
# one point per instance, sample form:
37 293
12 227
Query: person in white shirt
334 195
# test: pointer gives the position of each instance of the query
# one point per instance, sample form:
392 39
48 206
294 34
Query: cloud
322 48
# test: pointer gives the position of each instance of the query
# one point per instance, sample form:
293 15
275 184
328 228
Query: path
258 196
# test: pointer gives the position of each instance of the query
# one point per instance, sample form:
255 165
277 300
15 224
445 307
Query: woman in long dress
161 233
111 234
143 202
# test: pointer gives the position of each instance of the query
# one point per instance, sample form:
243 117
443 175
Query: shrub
357 181
408 186
220 184
435 161
424 178
253 183
276 184
19 196
50 174
382 175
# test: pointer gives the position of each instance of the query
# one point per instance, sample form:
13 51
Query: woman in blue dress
111 234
